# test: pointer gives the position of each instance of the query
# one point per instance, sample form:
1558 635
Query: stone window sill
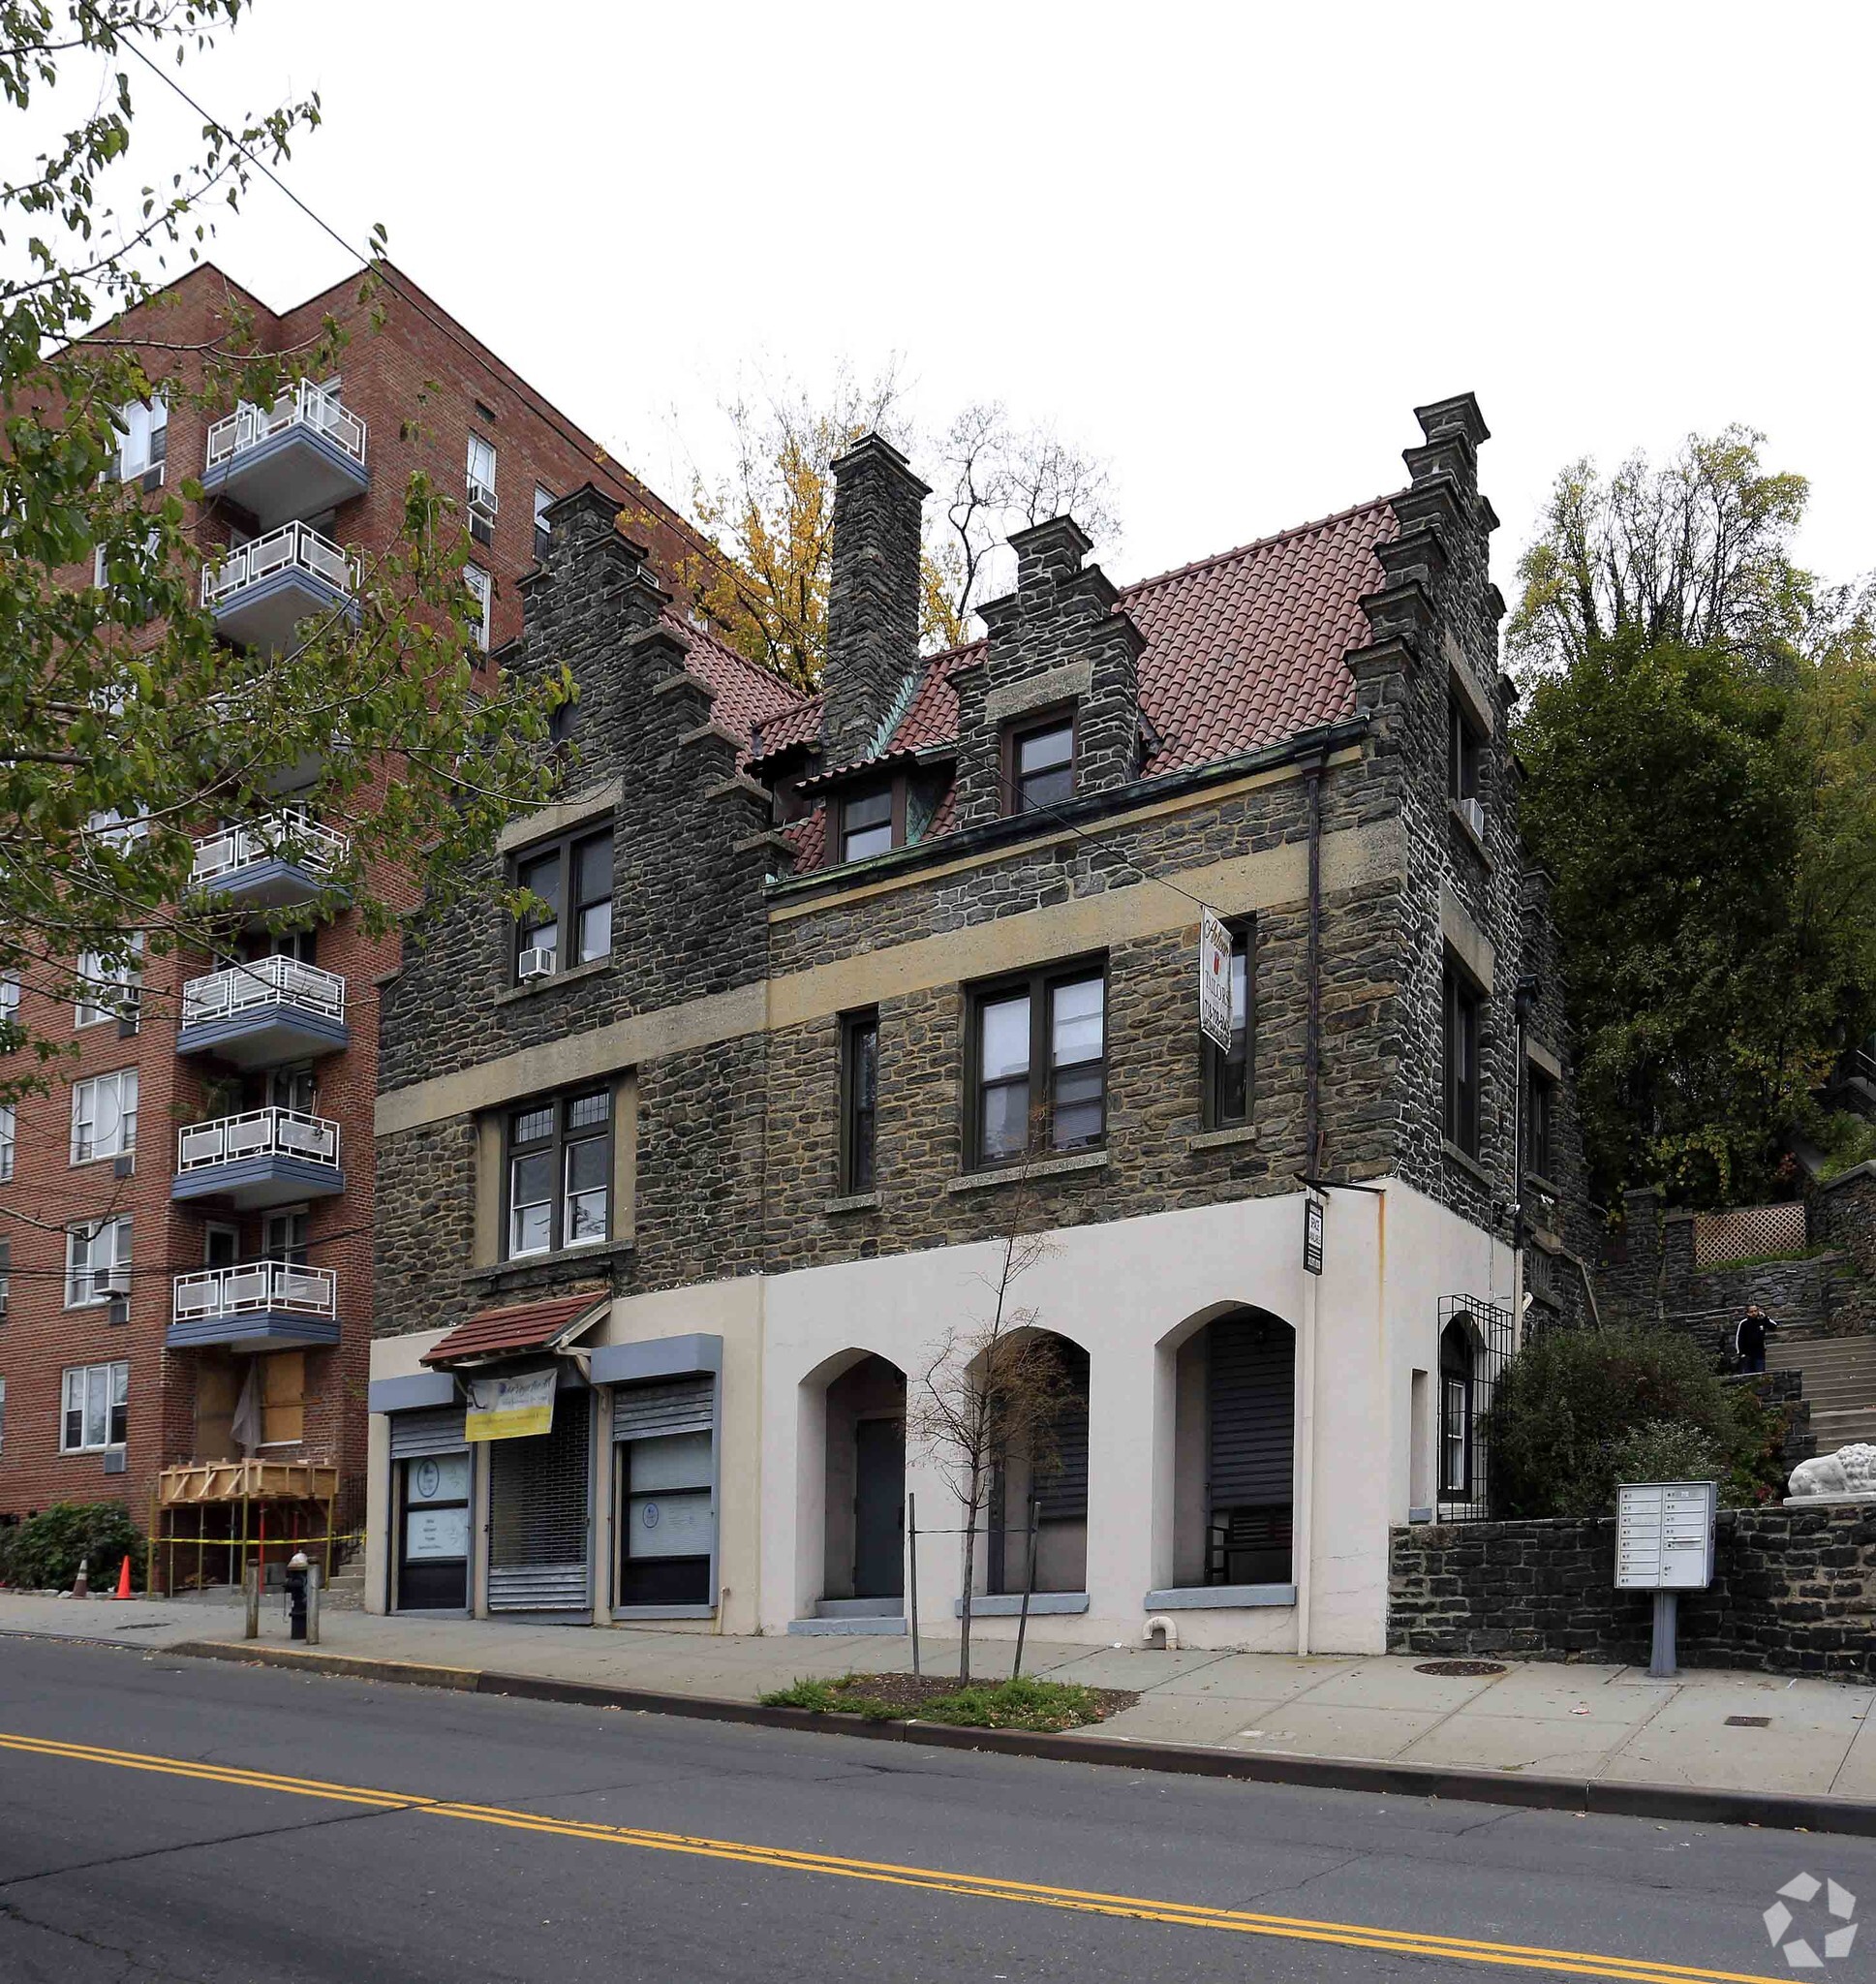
1222 1139
1010 1604
624 1614
594 968
1473 839
854 1202
1219 1598
596 1258
1040 1167
1465 1163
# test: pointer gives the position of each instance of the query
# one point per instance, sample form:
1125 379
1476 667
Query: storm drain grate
1748 1721
1461 1668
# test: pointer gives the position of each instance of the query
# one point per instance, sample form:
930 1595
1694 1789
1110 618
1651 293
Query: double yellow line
931 1881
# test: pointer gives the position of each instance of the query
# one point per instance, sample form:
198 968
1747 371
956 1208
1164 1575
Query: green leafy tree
47 1548
126 724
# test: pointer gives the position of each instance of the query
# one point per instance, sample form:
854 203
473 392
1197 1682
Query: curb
1688 1804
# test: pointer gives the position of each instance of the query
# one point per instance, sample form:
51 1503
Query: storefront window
433 1560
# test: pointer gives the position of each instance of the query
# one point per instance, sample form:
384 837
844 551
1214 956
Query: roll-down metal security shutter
1253 1390
439 1430
538 1508
683 1404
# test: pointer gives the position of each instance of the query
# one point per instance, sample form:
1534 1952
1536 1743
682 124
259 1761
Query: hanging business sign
1664 1536
510 1407
1313 1234
1215 980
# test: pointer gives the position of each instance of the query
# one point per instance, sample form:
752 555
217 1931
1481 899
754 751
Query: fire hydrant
296 1570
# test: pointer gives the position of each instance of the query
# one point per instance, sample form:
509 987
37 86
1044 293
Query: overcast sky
1229 248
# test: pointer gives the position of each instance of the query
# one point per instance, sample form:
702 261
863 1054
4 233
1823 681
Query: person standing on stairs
1750 1337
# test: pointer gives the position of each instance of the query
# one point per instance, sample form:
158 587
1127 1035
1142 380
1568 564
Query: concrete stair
1840 1377
346 1590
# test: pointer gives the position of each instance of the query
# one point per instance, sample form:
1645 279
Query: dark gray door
880 1509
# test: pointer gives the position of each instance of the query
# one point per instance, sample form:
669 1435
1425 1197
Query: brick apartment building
193 1201
898 970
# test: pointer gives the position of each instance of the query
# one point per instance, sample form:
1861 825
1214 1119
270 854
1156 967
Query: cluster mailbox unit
1664 1545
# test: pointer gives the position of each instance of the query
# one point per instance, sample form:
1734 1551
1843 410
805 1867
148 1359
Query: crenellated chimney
873 596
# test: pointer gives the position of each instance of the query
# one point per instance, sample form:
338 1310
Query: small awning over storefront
513 1332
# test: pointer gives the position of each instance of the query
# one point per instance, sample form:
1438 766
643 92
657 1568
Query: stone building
186 1211
836 997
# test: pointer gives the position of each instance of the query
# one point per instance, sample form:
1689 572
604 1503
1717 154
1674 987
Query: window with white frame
3 1415
477 582
9 1011
6 1142
108 991
117 829
103 1116
6 1276
543 531
96 1407
145 428
559 1170
482 489
97 1261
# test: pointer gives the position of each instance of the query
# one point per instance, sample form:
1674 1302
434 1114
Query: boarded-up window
283 1408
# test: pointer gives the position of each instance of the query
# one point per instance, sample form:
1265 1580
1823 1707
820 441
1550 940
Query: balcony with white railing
303 454
261 1158
263 591
258 1302
265 1013
274 863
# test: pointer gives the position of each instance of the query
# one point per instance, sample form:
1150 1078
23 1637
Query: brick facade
422 384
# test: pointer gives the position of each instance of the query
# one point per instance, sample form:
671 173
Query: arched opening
1044 1476
864 1466
1458 1455
1233 1451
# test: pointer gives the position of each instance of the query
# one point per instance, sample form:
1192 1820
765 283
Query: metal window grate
538 1556
1487 1330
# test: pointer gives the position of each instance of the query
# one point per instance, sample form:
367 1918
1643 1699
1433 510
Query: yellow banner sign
510 1408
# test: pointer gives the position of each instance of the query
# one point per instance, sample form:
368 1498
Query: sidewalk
1593 1725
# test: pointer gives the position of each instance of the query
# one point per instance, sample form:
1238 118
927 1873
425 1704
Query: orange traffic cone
124 1577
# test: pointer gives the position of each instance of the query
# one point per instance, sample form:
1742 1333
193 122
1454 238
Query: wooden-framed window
1464 1009
1540 1115
873 820
1037 1061
96 1407
573 879
1463 745
1227 1071
860 1097
559 1173
1039 762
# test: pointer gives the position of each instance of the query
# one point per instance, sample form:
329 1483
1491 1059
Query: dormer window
1040 764
867 824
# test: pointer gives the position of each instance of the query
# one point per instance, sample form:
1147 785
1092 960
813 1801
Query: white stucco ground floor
1235 1438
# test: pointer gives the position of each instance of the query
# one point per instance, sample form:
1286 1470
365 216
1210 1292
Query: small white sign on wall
1664 1536
1214 981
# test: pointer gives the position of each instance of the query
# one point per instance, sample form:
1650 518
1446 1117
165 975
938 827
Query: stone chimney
873 598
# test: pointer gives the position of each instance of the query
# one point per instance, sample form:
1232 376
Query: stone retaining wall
1794 1592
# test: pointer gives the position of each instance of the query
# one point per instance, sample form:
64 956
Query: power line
541 410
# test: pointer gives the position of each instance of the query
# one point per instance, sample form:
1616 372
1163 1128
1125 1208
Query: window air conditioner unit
481 498
535 963
1474 810
109 1280
124 1167
119 1311
115 1462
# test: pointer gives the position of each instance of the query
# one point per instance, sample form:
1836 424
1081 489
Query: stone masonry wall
1794 1590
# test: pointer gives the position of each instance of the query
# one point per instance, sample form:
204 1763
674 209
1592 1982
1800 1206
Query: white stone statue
1850 1470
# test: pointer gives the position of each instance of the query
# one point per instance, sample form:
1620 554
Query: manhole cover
1748 1721
1461 1668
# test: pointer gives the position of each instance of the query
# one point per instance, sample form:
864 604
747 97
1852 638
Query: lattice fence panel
1744 1233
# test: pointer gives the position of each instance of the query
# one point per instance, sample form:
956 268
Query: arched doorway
864 1457
1233 1451
1458 1445
1045 1477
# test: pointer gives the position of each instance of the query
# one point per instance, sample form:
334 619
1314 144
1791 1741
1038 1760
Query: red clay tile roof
800 725
1243 650
747 693
526 1326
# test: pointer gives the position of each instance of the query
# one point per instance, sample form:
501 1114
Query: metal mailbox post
1664 1545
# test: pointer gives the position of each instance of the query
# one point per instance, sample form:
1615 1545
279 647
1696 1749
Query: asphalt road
165 1819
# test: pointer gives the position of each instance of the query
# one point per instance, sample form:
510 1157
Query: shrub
1019 1704
46 1549
1577 1410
